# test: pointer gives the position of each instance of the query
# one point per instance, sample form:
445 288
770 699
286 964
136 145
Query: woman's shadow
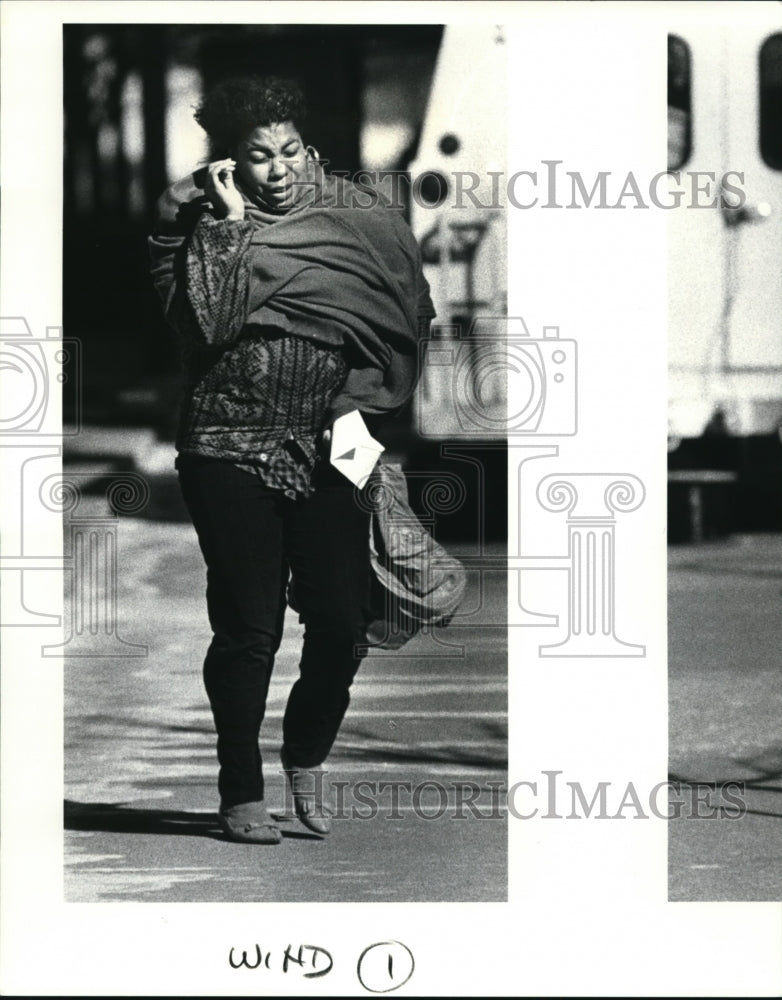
111 817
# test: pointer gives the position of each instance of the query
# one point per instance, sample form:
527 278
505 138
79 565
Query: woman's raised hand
221 190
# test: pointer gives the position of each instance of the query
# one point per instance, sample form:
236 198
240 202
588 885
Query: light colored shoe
249 823
306 784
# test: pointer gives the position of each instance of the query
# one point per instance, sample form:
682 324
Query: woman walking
298 299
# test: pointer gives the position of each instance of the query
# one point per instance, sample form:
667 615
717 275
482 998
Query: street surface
725 721
141 769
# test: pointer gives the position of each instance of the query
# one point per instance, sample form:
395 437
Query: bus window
771 101
679 108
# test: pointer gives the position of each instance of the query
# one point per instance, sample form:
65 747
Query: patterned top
296 379
342 276
271 388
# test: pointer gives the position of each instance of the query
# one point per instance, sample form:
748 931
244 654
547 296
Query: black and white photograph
725 461
264 400
391 427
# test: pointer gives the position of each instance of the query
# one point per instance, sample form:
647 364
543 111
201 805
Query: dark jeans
250 536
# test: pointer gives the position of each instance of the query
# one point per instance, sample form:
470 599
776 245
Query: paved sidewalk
725 716
141 768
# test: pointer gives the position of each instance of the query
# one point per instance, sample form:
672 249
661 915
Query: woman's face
272 165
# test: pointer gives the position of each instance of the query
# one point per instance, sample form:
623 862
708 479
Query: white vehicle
458 216
725 261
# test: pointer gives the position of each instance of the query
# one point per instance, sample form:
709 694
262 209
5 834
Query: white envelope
353 449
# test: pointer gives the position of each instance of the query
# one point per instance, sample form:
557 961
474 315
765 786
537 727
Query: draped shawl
340 268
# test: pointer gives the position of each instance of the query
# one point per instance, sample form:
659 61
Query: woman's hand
221 190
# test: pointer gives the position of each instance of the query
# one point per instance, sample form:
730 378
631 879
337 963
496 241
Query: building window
679 103
770 78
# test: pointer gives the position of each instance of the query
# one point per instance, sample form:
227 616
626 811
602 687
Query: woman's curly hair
233 108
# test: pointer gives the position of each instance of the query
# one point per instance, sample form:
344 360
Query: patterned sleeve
199 267
217 270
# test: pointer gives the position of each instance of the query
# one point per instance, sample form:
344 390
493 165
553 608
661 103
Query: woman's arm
200 264
217 276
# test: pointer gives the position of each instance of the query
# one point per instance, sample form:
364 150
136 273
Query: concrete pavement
725 716
141 768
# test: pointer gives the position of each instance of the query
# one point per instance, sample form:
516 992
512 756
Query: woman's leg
327 545
239 530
